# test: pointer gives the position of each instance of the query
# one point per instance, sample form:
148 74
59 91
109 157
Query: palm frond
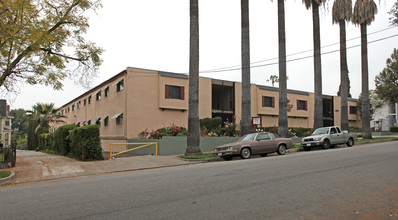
364 12
342 10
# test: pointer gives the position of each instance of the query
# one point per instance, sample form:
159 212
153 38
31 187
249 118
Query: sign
256 120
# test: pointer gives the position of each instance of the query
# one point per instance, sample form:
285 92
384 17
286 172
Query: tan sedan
255 143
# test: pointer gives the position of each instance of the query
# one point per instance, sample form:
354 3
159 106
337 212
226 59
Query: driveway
32 166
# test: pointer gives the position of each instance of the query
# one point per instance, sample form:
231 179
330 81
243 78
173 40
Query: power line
296 59
238 67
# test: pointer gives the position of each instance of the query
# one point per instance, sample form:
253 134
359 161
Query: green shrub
354 129
61 140
394 129
85 143
210 124
46 141
21 142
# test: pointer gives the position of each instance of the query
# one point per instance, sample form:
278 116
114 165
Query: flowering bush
172 130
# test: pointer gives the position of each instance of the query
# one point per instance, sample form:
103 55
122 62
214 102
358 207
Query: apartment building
138 99
5 124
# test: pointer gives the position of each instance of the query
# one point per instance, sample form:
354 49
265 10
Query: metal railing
112 153
7 156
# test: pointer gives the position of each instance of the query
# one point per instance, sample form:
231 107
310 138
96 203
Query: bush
61 140
172 130
210 124
46 141
21 142
85 143
394 129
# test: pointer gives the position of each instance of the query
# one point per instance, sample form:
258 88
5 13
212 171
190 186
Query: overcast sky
154 34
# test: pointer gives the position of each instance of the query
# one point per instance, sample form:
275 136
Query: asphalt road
344 183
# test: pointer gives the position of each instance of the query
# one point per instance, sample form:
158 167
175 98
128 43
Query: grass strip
4 174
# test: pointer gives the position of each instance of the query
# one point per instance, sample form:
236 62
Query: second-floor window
353 110
268 101
120 85
89 99
174 92
107 91
302 105
98 96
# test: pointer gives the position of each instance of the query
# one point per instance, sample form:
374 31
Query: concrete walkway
32 166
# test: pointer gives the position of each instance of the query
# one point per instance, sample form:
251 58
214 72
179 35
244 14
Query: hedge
46 141
85 143
61 140
394 129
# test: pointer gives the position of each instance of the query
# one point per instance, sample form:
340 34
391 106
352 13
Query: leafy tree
19 125
193 138
43 114
374 104
318 112
364 15
387 80
349 88
245 123
342 12
35 38
394 14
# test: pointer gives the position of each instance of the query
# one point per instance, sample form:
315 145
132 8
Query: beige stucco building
138 99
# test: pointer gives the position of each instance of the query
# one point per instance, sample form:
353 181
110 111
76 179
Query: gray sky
154 34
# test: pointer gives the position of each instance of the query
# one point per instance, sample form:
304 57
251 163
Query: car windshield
321 131
248 137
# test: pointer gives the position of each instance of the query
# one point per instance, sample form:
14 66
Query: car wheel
227 158
245 153
307 148
326 144
281 150
350 142
263 155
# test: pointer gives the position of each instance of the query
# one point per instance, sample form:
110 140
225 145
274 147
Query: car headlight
229 148
318 138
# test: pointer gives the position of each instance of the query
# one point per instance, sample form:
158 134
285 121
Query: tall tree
394 14
193 140
318 112
44 114
36 36
245 123
342 12
387 80
364 14
282 120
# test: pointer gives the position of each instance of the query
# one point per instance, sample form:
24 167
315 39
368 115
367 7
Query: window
174 92
84 102
98 121
89 122
301 105
268 101
78 104
263 136
107 91
120 85
7 122
98 95
333 131
89 99
353 110
106 120
73 107
119 118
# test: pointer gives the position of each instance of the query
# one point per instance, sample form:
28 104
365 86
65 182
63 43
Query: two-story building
138 99
5 124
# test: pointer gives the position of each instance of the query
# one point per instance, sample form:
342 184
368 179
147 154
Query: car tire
350 142
281 149
227 158
326 144
245 153
307 148
264 155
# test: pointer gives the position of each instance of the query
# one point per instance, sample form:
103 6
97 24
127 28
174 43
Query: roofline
124 72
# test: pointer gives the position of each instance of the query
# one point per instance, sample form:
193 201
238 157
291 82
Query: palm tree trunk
193 140
343 76
366 133
318 108
246 95
282 122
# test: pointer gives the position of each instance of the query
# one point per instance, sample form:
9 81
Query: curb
7 179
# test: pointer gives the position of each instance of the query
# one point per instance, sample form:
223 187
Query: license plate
308 144
219 154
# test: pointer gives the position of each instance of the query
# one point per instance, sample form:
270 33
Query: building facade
5 124
138 99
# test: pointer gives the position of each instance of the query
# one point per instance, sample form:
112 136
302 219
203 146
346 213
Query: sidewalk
32 166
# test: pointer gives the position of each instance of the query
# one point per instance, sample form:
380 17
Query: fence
8 156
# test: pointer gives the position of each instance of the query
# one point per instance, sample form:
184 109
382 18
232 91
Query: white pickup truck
328 137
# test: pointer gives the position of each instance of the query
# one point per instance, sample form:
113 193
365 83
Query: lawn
374 139
4 174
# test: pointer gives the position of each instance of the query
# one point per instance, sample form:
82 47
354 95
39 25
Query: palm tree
193 140
273 79
342 12
42 115
282 121
246 94
364 14
318 112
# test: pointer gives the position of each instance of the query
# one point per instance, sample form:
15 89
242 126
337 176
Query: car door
262 143
336 137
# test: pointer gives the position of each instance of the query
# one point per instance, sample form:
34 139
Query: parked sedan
255 143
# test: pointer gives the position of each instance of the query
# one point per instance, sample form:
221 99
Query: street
343 183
